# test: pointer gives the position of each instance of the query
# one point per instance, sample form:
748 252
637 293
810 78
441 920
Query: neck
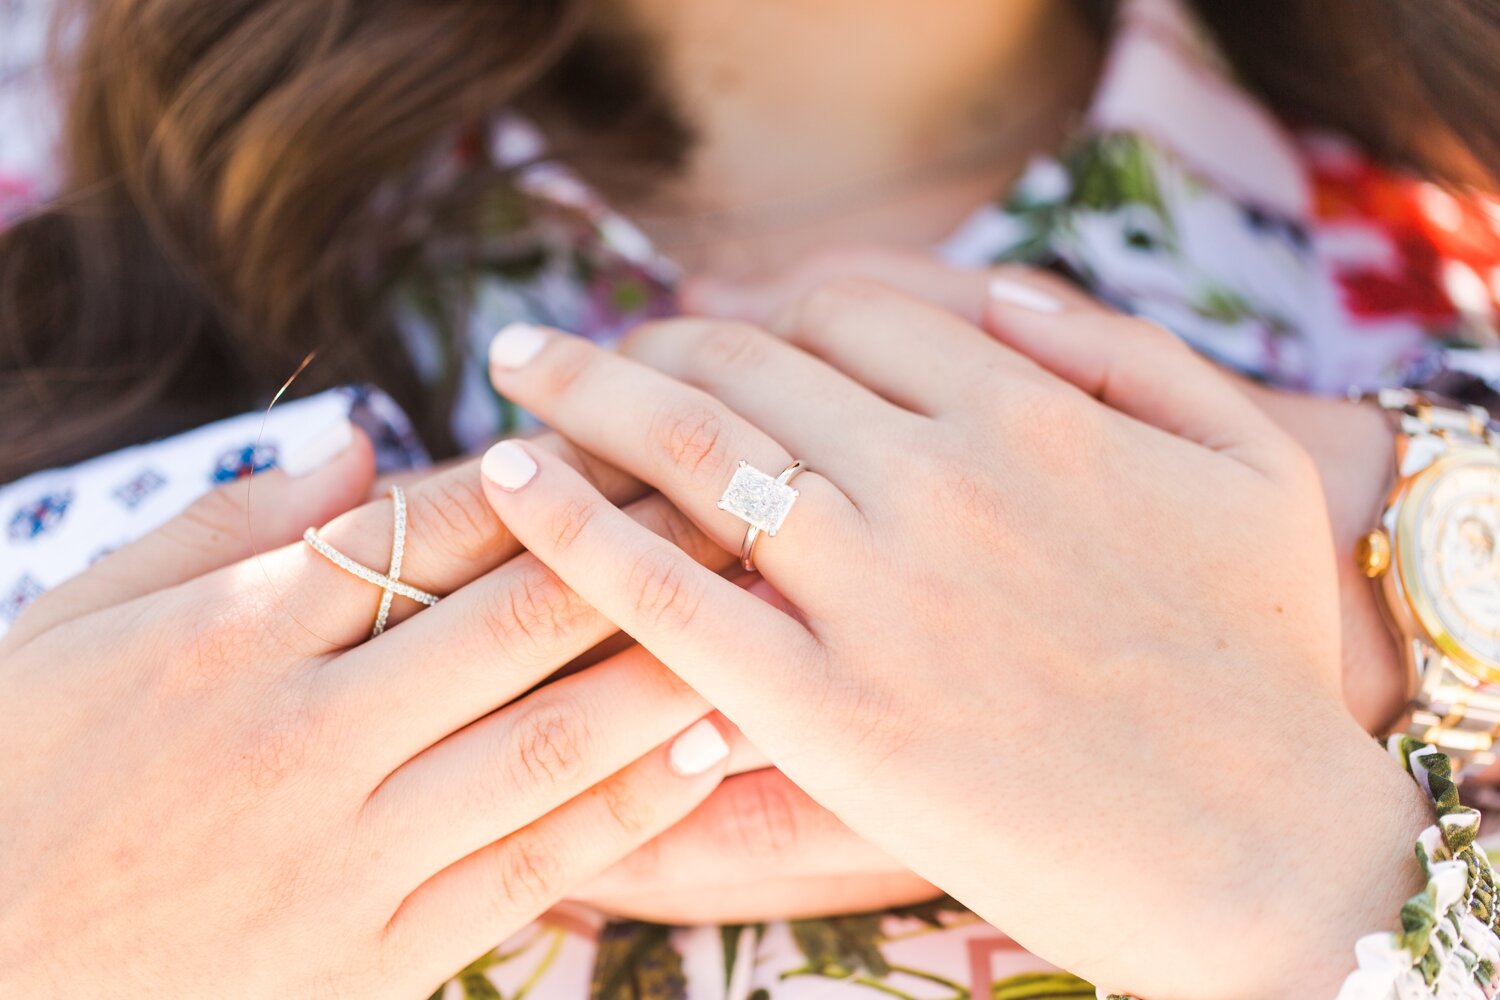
879 121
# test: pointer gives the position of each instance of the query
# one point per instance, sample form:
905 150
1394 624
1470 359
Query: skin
852 99
111 852
884 121
763 831
243 767
960 483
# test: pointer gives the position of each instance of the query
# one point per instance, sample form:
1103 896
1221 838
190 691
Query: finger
918 355
452 538
735 362
500 773
1131 365
487 896
679 439
772 898
256 514
481 647
754 826
736 650
961 291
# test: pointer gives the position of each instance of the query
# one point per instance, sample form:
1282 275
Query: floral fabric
1288 256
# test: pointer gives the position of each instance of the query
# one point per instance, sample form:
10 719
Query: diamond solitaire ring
761 502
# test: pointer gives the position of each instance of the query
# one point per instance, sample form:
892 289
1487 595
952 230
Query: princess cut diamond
757 499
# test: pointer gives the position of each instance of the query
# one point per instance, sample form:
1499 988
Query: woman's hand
1352 444
212 787
1071 655
759 848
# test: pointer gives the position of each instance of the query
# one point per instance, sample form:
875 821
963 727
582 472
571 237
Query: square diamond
757 499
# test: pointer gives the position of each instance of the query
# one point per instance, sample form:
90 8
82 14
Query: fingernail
698 749
307 455
515 346
1016 294
508 466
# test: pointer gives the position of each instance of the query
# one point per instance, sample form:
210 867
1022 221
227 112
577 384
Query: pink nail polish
699 748
516 345
508 466
307 455
1015 293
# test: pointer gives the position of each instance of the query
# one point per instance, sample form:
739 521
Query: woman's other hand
1352 444
212 785
759 848
1063 631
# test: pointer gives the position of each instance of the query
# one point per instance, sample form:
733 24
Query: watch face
1457 534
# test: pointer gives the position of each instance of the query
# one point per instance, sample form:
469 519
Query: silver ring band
389 582
761 502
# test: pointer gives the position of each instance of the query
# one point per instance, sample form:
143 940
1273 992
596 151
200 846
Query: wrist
1319 855
1354 868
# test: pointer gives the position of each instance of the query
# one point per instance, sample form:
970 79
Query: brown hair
245 178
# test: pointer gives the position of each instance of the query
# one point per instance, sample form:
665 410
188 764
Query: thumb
222 527
1132 365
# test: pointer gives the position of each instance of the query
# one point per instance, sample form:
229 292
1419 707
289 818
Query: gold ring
389 582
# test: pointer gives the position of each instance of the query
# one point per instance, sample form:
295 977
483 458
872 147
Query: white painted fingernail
1016 294
515 346
698 749
307 455
508 466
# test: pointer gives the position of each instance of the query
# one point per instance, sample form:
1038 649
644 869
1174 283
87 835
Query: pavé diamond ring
761 502
389 582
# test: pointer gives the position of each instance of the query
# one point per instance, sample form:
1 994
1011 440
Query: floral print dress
1288 256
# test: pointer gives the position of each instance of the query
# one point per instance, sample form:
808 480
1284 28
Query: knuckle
759 819
549 745
627 809
527 874
653 338
533 609
568 361
831 299
692 439
450 513
842 292
1045 421
679 532
211 520
569 520
595 471
721 345
664 595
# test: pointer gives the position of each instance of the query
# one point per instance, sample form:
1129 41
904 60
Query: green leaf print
929 913
477 986
637 961
1042 986
1113 171
839 947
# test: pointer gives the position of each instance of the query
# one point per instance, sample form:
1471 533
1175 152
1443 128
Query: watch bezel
1407 565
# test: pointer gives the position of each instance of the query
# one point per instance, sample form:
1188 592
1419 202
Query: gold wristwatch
1436 561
